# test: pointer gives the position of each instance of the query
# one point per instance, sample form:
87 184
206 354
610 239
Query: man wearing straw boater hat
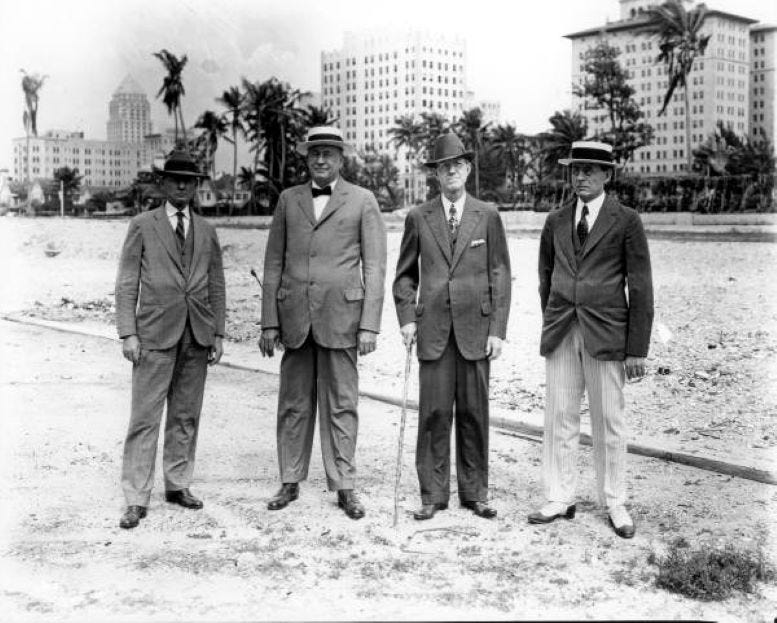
322 297
170 311
596 294
452 294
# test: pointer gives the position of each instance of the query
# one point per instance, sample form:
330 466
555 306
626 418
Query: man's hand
493 347
130 348
408 334
270 340
635 367
367 341
216 351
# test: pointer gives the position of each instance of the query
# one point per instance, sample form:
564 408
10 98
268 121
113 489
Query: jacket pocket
354 294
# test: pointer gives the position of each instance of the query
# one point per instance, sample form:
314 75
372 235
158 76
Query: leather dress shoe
347 500
184 498
546 516
622 523
132 517
427 511
481 509
288 492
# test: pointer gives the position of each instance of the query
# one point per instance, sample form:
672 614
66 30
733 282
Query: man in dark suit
596 294
454 249
170 314
324 273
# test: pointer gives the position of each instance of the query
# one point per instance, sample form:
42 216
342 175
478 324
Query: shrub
711 574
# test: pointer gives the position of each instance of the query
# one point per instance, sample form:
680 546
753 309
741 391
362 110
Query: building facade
763 52
377 77
129 114
719 83
106 164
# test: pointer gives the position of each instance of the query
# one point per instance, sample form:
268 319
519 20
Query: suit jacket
155 294
328 275
591 285
467 289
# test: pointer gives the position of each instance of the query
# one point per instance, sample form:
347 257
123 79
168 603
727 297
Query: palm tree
213 127
172 89
471 130
31 84
566 128
509 147
408 133
314 116
232 99
680 44
69 181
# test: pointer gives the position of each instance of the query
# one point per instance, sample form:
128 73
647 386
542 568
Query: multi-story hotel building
763 54
719 83
129 113
107 164
377 77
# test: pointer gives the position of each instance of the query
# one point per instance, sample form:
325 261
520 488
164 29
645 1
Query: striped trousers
570 370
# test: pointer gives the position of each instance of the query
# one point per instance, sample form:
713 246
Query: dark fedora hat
447 147
590 152
324 136
180 164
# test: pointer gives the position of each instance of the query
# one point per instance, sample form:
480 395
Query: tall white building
763 52
129 113
377 77
719 84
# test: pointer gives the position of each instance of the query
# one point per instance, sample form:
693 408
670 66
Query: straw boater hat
590 152
180 164
447 147
324 136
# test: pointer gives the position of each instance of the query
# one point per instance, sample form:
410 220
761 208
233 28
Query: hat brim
302 148
433 163
164 173
602 163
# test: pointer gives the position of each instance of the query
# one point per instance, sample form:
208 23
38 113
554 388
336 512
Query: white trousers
569 370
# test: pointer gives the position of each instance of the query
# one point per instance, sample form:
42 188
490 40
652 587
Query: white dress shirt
172 216
458 206
593 210
319 203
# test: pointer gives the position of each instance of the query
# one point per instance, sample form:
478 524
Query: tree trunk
234 170
477 174
183 127
688 130
28 207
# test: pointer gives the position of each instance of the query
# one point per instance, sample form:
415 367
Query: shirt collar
593 206
331 184
459 204
172 210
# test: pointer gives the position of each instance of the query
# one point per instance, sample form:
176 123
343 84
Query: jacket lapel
604 221
198 242
165 233
436 222
469 219
338 198
566 242
305 200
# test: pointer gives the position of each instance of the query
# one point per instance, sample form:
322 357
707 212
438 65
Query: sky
517 53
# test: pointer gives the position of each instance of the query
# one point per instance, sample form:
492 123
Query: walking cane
408 362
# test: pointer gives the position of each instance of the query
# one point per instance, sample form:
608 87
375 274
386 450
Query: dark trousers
443 382
313 376
175 376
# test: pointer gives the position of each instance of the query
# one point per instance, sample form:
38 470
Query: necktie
317 192
180 233
582 226
452 223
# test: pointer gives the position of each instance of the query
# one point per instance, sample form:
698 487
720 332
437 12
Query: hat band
325 137
583 153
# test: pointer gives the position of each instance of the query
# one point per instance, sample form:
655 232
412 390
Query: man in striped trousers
596 294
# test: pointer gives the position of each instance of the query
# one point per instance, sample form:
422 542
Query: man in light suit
170 313
452 295
596 294
324 273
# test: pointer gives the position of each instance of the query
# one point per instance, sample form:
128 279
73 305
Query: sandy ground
65 406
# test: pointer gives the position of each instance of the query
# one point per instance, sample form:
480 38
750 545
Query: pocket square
477 243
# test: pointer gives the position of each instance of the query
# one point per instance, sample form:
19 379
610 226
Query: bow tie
317 192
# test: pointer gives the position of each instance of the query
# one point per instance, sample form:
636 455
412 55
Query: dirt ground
65 405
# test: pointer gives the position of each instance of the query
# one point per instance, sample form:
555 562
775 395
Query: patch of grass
711 574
